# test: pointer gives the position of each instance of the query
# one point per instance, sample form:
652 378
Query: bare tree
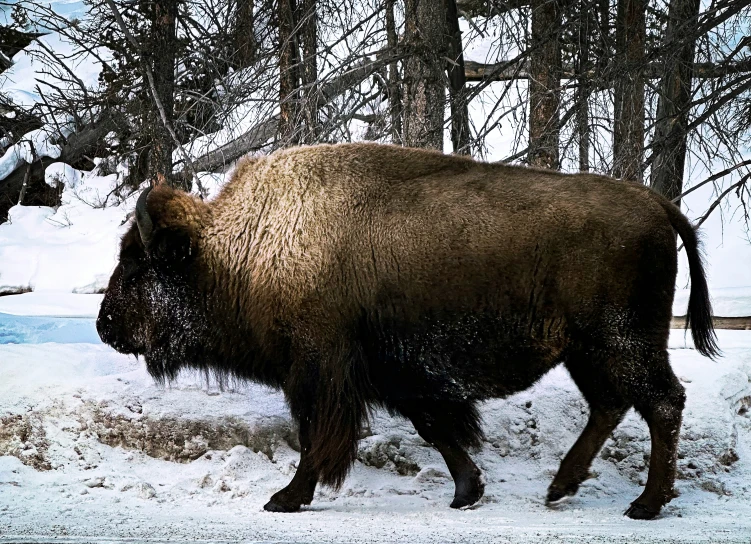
394 84
628 122
298 71
244 38
544 84
460 132
583 131
160 51
671 131
424 79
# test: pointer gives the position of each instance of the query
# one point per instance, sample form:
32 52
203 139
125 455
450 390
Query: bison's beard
165 322
181 338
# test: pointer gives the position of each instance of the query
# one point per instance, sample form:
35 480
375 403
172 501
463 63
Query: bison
355 276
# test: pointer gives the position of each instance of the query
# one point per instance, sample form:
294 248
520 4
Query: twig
718 201
25 184
712 178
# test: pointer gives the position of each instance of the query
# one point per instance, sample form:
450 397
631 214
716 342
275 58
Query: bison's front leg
300 490
451 427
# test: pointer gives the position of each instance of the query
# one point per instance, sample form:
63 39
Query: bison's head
155 303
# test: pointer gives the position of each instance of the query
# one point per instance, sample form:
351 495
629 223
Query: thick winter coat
360 275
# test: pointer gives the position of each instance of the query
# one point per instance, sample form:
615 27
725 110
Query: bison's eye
130 269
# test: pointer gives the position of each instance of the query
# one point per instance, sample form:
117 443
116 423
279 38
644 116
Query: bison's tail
699 313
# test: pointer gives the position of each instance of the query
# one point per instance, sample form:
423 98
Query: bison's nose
104 327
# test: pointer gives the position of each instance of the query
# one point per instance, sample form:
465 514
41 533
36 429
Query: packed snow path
95 451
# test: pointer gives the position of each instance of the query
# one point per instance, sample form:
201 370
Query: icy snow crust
91 446
43 330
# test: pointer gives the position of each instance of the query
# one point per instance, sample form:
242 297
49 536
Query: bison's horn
143 221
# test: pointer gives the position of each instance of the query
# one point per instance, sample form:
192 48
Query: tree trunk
161 51
424 79
544 84
244 35
604 34
675 96
628 129
289 80
394 85
308 24
460 134
298 71
582 93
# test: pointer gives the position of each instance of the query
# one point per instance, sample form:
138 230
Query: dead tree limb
506 70
81 144
13 41
489 8
260 134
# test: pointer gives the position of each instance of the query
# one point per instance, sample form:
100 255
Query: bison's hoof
557 495
461 502
468 493
639 511
273 506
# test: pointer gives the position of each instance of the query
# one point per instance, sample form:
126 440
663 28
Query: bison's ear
172 245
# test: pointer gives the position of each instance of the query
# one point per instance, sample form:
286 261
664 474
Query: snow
70 249
94 448
43 330
726 302
37 143
51 304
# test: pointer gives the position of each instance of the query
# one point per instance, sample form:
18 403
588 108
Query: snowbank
51 304
71 249
726 302
37 143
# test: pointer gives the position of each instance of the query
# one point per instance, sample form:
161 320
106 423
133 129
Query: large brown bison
358 275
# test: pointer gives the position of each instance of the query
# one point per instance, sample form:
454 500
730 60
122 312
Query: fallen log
79 145
728 323
261 133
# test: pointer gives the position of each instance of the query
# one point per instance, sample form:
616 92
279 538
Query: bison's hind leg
613 381
451 427
606 409
659 398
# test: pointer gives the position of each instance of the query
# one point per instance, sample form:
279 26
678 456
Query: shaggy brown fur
359 275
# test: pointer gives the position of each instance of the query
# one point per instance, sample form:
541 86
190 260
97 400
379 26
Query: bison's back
509 237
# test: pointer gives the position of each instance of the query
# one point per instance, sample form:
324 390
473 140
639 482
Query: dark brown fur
360 275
